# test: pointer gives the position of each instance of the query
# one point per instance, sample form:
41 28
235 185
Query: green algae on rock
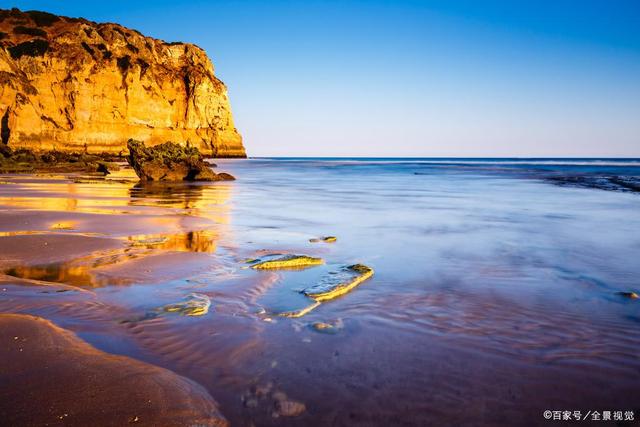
151 241
290 261
325 328
321 326
170 162
334 284
301 312
26 161
193 305
339 283
325 239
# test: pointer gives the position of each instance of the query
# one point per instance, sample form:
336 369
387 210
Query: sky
543 78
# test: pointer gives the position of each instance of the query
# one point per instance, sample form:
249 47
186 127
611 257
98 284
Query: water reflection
108 196
161 218
174 195
84 271
91 271
192 241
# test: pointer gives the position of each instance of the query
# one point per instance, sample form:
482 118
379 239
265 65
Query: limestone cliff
74 85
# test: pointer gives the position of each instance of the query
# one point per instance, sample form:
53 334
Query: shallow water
495 294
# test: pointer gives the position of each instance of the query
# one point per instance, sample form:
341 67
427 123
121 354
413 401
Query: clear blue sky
411 78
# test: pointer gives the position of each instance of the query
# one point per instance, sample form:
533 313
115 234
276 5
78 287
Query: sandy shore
46 369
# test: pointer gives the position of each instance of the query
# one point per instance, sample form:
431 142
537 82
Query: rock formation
170 162
73 85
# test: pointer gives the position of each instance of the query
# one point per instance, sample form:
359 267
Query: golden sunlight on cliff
75 85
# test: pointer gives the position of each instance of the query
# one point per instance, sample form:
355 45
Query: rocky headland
70 85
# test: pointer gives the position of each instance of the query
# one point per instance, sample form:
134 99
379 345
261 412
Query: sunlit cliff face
75 85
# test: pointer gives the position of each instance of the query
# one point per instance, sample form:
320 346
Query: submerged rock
330 327
151 241
289 408
321 326
334 284
282 406
339 282
277 261
326 239
63 225
327 327
630 295
193 305
301 312
599 181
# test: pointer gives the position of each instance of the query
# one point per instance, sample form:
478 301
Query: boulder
170 162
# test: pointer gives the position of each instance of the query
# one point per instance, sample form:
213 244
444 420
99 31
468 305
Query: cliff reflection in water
161 218
110 196
191 241
194 199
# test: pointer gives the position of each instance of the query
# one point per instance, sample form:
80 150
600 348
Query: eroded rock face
73 85
170 162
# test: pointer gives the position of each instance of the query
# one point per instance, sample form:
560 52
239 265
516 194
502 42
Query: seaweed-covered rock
170 162
334 284
193 305
328 327
339 283
291 261
23 160
325 239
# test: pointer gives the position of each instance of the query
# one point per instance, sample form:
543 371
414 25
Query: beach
500 288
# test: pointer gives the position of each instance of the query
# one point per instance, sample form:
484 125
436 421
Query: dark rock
106 167
23 155
170 162
630 295
599 182
5 151
223 176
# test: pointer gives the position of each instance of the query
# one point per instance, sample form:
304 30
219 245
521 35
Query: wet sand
482 311
50 377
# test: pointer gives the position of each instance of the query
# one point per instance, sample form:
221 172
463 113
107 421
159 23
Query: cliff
73 85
